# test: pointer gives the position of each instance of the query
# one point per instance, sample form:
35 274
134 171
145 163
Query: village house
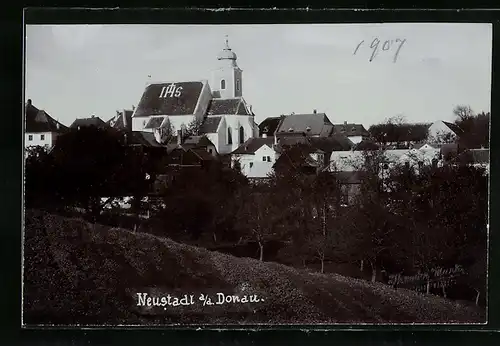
122 120
256 157
87 122
40 128
355 132
219 108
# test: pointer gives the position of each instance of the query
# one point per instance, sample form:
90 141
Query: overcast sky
75 71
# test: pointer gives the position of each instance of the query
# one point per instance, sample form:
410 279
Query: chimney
29 102
57 125
314 111
179 137
93 116
345 123
124 119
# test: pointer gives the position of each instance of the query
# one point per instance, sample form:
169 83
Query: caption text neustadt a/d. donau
143 299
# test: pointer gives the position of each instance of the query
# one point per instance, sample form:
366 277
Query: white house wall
346 161
355 139
254 166
37 139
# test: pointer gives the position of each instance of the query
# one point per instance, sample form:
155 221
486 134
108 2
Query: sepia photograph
232 175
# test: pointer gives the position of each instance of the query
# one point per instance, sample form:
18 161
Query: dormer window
223 84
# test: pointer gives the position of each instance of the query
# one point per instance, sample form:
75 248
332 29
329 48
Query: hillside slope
76 272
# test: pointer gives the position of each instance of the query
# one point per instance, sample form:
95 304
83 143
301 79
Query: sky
421 73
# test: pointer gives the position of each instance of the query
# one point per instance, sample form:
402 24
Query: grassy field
81 273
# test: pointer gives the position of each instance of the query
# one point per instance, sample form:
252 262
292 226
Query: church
217 109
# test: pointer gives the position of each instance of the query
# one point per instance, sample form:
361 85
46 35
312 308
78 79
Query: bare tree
463 113
258 217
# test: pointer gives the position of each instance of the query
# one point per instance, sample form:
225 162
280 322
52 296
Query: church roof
182 100
316 124
210 125
154 122
39 121
235 106
226 53
92 121
251 145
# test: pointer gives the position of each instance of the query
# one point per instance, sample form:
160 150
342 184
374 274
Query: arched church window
223 84
242 135
238 86
229 136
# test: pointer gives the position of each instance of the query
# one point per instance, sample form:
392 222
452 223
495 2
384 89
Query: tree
475 127
259 217
92 163
324 199
194 127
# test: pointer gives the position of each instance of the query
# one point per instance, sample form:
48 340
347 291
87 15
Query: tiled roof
210 124
326 144
143 138
312 124
39 121
366 144
203 154
123 120
93 121
269 125
333 143
251 145
455 128
196 142
350 129
235 106
154 122
152 102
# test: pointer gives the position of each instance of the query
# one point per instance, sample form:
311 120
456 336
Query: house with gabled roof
355 132
122 120
40 128
225 117
444 132
312 125
269 126
256 157
86 122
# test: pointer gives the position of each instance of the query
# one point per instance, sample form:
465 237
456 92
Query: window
30 137
42 137
210 151
222 84
238 86
229 136
264 158
268 159
251 164
242 135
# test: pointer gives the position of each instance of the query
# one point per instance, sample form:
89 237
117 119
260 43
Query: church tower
227 79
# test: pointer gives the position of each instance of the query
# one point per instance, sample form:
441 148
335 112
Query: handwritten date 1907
386 46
